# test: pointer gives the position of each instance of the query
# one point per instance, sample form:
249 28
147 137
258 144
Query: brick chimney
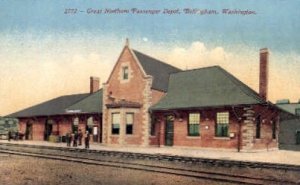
263 73
94 84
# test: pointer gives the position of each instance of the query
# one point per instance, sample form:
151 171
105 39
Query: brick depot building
147 102
58 116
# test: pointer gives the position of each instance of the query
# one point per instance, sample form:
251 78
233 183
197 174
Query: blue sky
47 53
272 26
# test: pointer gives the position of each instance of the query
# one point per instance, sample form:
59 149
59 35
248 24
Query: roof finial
127 42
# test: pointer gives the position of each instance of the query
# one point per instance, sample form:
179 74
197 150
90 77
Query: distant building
289 135
147 102
8 124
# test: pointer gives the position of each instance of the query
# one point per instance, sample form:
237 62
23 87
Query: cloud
145 39
243 63
196 55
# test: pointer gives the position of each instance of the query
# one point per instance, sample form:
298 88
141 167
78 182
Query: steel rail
151 168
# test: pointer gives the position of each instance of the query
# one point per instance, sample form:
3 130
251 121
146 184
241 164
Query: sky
50 48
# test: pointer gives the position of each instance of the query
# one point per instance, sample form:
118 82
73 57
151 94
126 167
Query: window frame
115 131
129 124
223 125
89 127
75 124
196 131
125 72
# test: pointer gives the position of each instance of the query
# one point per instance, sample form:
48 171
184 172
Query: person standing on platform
16 136
75 139
87 139
80 137
9 135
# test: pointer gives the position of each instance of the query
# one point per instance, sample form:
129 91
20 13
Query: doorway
169 133
298 137
48 129
28 131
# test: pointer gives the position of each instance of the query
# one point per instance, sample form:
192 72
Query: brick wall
38 127
207 131
22 125
207 136
268 116
137 88
62 125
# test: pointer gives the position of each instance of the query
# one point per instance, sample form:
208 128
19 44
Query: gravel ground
17 170
245 171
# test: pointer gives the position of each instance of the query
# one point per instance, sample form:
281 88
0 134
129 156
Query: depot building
146 102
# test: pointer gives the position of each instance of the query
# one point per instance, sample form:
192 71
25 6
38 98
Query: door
28 132
169 133
48 129
298 137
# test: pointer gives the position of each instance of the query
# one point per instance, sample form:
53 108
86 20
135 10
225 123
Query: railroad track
39 151
183 159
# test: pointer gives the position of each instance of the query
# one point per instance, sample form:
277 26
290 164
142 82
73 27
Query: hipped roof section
56 106
206 87
90 104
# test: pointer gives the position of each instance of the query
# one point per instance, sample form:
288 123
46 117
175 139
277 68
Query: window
129 123
115 127
297 111
152 129
125 73
222 124
194 122
258 125
90 124
75 124
273 129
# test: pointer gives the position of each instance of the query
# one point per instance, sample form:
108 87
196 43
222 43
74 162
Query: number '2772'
70 11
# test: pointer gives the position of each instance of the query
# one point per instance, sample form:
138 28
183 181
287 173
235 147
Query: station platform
273 156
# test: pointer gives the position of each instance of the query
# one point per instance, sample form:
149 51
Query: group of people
14 135
76 138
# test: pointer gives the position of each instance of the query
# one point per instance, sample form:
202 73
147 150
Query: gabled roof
289 107
206 87
55 106
90 104
159 70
